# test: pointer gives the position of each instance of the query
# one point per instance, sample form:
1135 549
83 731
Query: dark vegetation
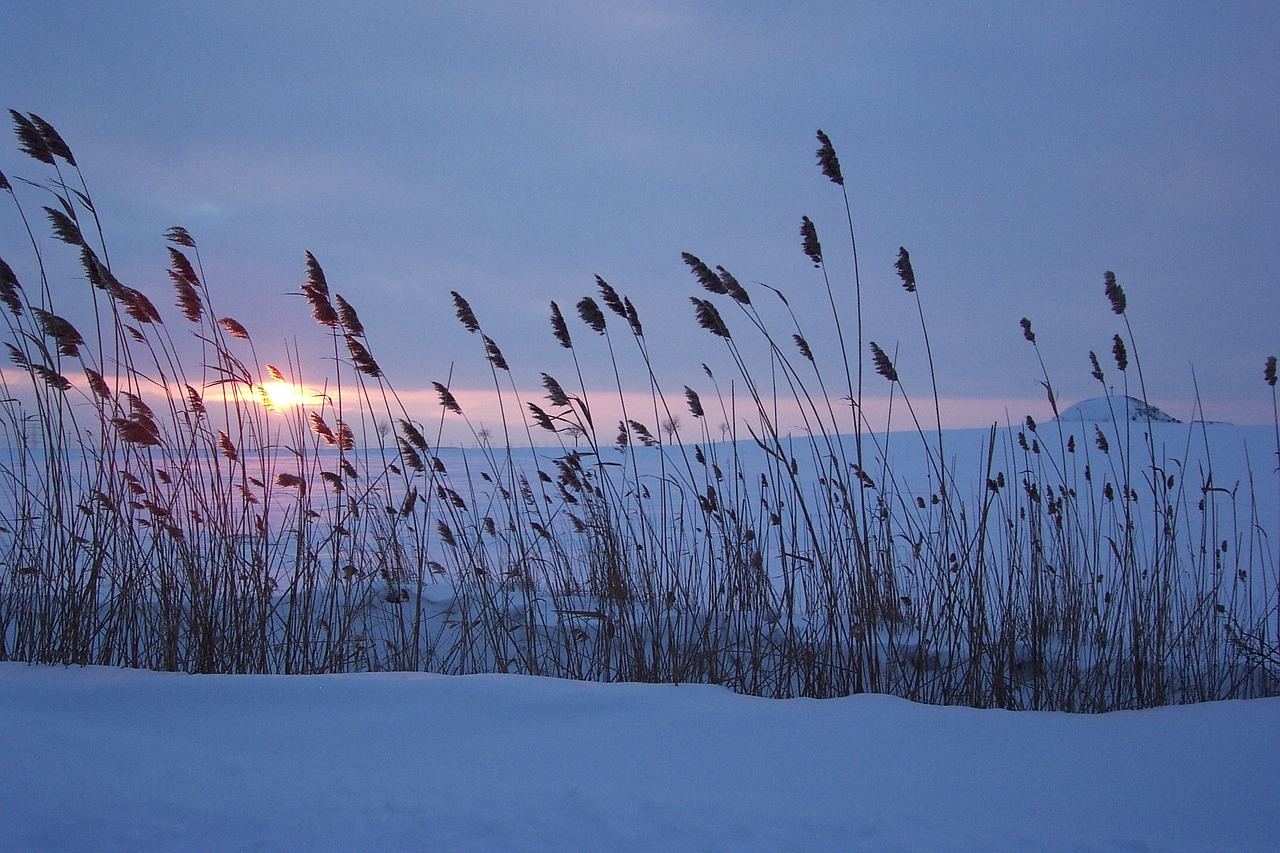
159 512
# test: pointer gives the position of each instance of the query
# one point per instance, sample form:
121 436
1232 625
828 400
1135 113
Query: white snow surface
1114 409
98 759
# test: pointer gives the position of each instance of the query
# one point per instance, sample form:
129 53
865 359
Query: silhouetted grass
161 512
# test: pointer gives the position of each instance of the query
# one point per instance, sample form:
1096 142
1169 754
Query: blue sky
513 151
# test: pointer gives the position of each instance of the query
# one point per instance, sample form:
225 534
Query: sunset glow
284 395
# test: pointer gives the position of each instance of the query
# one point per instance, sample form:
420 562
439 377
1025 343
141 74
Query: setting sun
284 395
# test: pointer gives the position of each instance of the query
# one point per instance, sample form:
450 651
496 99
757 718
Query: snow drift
101 759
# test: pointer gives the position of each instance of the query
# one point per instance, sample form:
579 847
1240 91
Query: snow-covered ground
96 759
99 759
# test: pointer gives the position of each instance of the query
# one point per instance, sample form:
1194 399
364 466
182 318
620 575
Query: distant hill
1118 408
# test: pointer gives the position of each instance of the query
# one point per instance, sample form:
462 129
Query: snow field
101 759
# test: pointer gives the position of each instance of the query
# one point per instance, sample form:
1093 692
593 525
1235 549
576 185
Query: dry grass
162 515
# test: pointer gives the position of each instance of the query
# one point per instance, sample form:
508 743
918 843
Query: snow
101 759
1115 409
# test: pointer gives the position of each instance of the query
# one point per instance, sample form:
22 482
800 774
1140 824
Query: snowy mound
1118 408
408 761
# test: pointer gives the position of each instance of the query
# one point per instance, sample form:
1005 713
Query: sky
514 151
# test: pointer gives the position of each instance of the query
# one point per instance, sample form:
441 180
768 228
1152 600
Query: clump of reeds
164 512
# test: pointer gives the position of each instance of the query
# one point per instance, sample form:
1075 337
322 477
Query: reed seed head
179 236
188 298
139 431
709 318
346 438
464 312
316 291
315 275
51 377
53 141
9 289
633 318
234 329
541 417
804 348
1121 354
694 401
828 161
410 456
185 281
99 276
412 435
180 266
447 399
334 481
97 384
905 272
494 354
360 357
1026 330
320 428
446 534
731 287
703 273
137 406
321 310
64 335
30 140
610 297
642 432
555 392
17 357
1115 293
591 314
883 365
1097 368
138 306
559 328
291 481
347 315
1269 373
227 446
809 241
64 227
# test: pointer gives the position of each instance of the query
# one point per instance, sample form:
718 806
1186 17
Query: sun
283 395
